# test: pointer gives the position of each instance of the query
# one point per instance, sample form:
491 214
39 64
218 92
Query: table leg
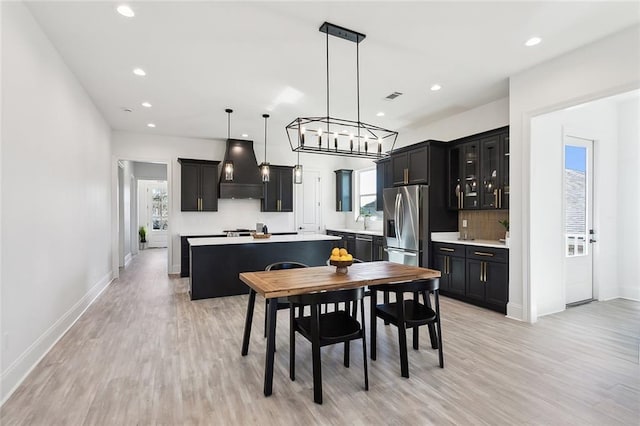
247 322
271 348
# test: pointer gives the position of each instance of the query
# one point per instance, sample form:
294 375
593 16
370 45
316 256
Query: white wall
231 213
150 171
629 202
485 117
606 67
56 247
597 121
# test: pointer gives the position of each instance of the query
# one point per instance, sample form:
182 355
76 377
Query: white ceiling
201 57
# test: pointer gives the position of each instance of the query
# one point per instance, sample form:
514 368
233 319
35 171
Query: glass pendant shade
264 171
228 170
297 173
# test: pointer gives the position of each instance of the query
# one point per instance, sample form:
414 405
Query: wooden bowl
260 236
341 265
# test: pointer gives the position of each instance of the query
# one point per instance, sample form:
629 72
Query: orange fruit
343 252
335 252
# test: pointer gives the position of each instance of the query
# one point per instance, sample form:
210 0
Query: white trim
514 312
127 259
15 374
619 297
175 269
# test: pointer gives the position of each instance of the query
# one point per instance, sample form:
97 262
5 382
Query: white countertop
215 241
453 238
358 231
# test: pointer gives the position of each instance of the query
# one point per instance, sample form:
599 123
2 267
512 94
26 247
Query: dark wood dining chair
329 328
281 301
409 314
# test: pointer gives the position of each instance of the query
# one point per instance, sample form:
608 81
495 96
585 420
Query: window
366 195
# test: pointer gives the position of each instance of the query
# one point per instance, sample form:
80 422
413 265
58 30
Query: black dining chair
281 301
409 314
329 328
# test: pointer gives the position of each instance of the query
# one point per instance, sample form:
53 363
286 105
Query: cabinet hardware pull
339 205
485 271
446 249
406 176
481 253
481 271
495 199
448 265
500 197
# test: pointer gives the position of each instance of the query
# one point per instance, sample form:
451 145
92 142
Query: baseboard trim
175 269
514 312
18 371
621 297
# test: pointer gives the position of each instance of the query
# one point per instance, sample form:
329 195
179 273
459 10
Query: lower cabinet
364 248
378 249
474 274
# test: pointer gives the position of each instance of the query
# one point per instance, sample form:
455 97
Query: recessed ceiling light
435 87
146 104
125 10
139 71
151 125
244 135
533 41
380 114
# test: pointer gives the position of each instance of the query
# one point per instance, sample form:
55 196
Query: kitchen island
215 263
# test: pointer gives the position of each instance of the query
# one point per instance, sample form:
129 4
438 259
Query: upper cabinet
411 166
199 185
344 196
278 192
479 171
384 179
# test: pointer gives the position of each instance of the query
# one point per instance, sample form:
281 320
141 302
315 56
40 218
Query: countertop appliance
411 213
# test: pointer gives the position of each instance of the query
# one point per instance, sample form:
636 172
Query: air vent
393 95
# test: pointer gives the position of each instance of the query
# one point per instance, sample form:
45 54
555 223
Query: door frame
115 206
586 135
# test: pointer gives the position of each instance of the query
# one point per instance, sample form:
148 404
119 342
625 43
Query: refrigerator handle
400 217
396 216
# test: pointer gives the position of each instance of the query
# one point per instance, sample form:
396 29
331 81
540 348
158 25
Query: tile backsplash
483 224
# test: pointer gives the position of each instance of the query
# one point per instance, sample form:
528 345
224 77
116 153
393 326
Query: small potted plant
505 223
142 232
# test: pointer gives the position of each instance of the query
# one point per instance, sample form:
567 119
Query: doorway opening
142 206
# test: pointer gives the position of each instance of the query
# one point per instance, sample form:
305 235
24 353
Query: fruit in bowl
340 258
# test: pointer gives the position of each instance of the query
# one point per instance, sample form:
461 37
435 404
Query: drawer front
448 249
488 254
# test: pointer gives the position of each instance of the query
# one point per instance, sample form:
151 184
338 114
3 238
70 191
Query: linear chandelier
339 136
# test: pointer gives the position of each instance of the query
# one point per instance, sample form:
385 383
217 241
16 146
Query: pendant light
264 166
297 171
228 165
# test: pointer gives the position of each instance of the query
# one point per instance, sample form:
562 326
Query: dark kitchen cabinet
479 171
364 248
410 167
378 249
503 192
342 243
449 259
278 192
384 179
344 194
350 243
474 274
198 185
490 172
488 276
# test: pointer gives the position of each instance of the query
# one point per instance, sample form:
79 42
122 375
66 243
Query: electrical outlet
464 223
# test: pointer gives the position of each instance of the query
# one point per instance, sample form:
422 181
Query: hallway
145 354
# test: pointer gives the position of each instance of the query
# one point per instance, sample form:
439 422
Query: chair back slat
285 265
410 286
335 296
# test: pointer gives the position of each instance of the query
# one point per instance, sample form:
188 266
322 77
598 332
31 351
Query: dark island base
215 269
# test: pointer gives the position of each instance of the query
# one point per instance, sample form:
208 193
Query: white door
578 218
153 211
308 204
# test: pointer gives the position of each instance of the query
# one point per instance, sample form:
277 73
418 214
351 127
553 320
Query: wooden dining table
288 282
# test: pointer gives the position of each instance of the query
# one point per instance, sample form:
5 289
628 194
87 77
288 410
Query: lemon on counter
334 257
343 252
335 252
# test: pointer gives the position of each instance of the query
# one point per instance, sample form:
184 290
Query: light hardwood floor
145 354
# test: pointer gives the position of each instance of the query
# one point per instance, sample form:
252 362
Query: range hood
247 182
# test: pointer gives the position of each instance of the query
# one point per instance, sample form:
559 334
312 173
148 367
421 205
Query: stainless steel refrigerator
406 224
